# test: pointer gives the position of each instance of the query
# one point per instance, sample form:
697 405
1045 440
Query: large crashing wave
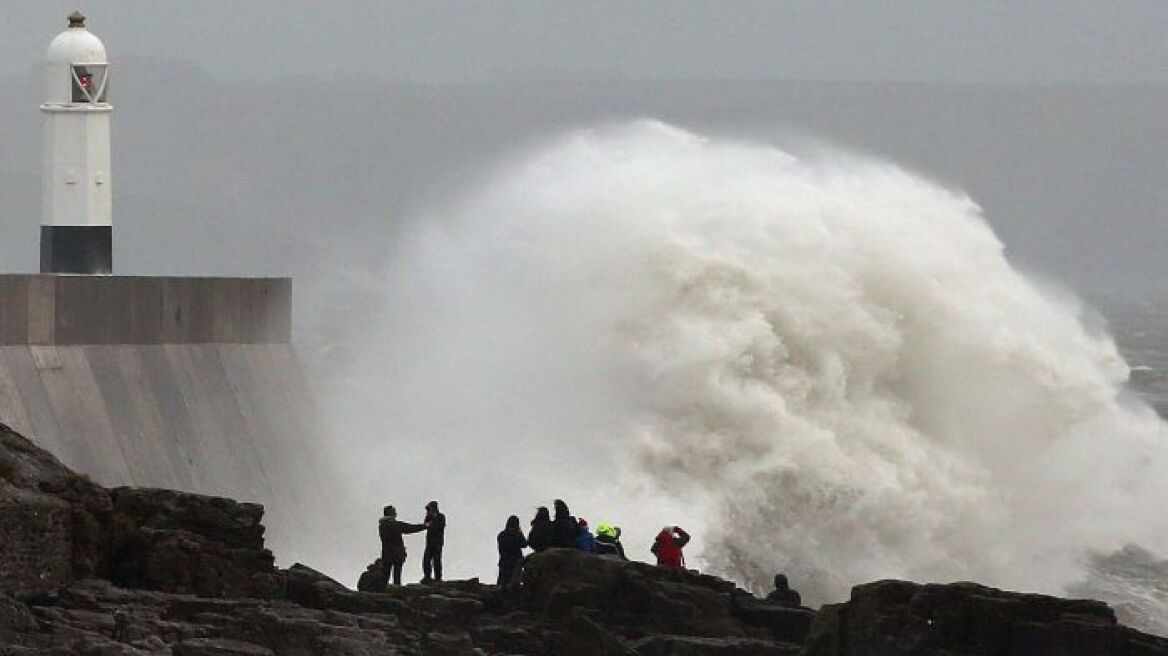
825 364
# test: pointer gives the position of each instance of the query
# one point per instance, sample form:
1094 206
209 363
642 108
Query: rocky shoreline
89 570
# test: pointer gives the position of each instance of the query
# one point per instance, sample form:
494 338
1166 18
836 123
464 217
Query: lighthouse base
77 249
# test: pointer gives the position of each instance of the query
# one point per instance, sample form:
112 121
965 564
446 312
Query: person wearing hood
668 545
393 548
511 545
435 539
608 542
564 527
584 539
540 535
783 594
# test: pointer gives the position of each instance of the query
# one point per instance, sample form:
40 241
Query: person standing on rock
511 545
393 548
584 537
608 542
564 527
435 539
668 545
540 535
783 594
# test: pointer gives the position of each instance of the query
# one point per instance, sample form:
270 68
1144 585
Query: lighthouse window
89 83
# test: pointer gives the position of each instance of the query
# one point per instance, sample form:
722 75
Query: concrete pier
187 383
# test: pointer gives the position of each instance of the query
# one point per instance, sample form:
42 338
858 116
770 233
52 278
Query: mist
822 363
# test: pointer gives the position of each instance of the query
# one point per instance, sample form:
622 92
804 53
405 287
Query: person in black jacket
564 527
540 535
783 594
393 548
511 545
435 539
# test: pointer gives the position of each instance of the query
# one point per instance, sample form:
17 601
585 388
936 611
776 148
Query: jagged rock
455 612
219 647
786 624
899 617
231 523
510 636
584 635
55 525
89 571
371 579
58 527
635 598
308 587
15 619
671 645
447 644
183 542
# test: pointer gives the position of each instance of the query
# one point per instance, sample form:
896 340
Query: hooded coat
393 548
540 536
668 545
565 529
584 538
436 531
511 545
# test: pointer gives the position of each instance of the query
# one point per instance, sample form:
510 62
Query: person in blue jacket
584 539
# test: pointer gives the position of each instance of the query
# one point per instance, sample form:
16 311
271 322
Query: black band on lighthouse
77 249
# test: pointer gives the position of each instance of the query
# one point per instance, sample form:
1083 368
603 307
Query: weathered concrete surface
183 383
223 419
48 309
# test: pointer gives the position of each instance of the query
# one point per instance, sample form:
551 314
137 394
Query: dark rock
15 619
55 525
182 542
785 624
634 598
448 644
89 571
219 647
670 645
511 637
233 524
584 635
308 587
372 578
898 617
451 612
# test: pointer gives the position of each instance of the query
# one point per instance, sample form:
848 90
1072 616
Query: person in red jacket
668 545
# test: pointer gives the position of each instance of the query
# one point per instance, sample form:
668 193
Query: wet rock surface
86 570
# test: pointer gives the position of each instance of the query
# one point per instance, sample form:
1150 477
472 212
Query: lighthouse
159 381
76 190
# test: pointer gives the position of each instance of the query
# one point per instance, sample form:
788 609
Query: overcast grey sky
1072 178
993 41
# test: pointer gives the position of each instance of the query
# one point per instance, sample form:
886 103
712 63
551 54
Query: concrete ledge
50 309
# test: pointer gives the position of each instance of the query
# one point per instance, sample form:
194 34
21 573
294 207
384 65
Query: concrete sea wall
184 383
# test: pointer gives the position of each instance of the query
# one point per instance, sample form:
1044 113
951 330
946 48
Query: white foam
824 365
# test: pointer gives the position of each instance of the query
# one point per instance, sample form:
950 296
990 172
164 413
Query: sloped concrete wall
183 383
224 419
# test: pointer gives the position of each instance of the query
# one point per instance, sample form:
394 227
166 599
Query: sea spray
821 363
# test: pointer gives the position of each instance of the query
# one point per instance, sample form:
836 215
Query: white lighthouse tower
76 194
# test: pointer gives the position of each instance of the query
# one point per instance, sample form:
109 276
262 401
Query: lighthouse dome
76 45
76 66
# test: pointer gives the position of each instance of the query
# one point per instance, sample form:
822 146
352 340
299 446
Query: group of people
393 547
548 531
563 531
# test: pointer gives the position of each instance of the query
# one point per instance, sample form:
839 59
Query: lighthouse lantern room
76 194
